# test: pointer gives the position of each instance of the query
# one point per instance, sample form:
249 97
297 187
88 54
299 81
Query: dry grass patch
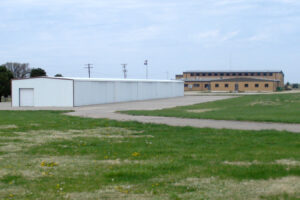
42 136
202 110
287 162
8 126
31 174
34 124
11 192
215 188
122 162
4 172
266 103
120 192
81 161
242 163
10 147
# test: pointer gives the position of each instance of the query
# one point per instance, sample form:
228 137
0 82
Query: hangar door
26 97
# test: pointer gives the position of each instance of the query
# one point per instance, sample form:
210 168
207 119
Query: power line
167 75
124 70
89 67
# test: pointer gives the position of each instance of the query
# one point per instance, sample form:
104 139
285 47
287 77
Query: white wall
47 92
100 92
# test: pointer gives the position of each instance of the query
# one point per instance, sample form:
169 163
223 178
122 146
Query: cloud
230 35
207 35
215 36
259 37
140 34
49 31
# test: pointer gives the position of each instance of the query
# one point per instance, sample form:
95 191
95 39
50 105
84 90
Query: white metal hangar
72 92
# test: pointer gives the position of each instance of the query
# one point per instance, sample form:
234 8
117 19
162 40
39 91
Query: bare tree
19 70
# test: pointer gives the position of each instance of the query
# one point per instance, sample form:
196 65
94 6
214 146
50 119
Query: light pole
146 64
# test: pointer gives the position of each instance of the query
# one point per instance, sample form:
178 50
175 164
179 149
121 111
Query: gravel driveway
109 111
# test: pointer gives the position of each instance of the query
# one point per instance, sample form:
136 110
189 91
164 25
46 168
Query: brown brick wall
231 86
242 88
277 75
194 88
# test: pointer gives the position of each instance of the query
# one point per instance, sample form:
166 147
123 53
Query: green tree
58 75
36 72
5 82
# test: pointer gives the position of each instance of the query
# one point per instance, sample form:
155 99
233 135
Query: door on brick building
236 87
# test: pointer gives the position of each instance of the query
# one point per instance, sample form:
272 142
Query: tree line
12 70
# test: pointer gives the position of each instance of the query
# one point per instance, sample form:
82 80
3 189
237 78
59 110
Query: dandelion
135 154
48 164
43 164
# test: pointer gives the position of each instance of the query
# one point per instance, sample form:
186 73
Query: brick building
232 81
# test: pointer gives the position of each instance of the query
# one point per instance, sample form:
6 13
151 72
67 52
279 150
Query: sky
61 36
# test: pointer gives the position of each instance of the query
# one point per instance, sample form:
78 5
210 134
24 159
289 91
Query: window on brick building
226 85
216 85
246 85
266 85
256 85
196 85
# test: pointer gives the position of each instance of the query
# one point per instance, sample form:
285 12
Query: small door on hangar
26 97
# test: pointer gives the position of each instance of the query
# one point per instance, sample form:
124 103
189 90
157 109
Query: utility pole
89 67
124 70
146 64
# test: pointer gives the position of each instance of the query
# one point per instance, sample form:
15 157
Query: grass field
47 155
268 108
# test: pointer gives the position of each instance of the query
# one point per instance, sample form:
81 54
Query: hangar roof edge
100 79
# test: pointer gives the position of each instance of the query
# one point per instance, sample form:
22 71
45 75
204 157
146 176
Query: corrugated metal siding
101 92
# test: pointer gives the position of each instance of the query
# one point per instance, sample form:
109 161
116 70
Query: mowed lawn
267 108
48 155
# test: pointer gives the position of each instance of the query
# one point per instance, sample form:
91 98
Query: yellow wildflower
135 154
